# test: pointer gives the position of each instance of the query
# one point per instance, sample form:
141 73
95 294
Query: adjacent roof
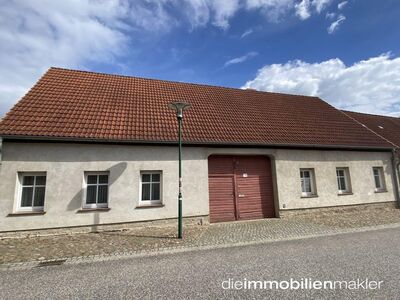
79 105
387 127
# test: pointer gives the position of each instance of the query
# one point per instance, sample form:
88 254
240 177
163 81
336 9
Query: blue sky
346 52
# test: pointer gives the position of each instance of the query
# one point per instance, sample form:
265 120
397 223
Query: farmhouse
83 148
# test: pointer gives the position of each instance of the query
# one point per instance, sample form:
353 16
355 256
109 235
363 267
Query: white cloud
223 11
246 33
201 12
151 15
320 5
197 11
371 85
274 10
330 15
35 35
342 4
238 60
303 9
335 25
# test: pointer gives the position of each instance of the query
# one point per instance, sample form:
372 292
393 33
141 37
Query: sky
345 52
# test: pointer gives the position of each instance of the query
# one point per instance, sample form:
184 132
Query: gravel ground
14 250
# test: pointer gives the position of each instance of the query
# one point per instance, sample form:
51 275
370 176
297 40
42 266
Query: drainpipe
1 149
396 174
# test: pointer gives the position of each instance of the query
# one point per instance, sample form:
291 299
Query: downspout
396 174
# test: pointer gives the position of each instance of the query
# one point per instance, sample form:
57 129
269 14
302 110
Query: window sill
26 213
309 196
380 191
345 194
88 210
149 206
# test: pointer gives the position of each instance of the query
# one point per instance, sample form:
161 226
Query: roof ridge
181 82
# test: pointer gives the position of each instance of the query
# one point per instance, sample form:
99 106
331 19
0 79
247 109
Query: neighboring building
84 148
385 126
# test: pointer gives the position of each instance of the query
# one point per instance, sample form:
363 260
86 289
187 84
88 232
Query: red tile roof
387 127
79 105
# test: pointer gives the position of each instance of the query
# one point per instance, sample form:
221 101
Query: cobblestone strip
199 245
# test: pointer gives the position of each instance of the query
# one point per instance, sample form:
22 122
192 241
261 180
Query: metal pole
180 225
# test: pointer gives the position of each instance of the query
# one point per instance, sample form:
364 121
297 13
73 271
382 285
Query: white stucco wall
65 165
324 163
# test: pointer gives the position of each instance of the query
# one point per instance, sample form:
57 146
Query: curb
178 249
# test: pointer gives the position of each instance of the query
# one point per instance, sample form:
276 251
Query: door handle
241 195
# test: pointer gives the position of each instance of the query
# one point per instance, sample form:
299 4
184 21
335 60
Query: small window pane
92 179
103 192
26 198
40 180
28 180
155 191
338 183
146 191
146 177
103 178
156 177
39 196
378 178
91 194
342 183
307 184
377 182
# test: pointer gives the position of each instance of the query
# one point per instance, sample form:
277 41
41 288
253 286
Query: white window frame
20 179
382 181
347 181
312 183
151 202
95 205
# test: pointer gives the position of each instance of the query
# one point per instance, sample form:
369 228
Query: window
151 188
307 182
96 195
32 191
343 180
379 179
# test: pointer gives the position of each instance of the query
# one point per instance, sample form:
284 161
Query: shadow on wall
92 152
76 203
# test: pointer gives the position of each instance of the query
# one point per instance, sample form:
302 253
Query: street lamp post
179 107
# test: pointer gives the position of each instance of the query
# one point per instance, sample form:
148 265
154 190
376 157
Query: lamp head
179 107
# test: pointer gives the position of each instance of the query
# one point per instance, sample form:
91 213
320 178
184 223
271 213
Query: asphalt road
200 274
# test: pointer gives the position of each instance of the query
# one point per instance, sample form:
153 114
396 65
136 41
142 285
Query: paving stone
153 239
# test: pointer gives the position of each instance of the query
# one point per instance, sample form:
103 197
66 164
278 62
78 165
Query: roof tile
387 127
86 105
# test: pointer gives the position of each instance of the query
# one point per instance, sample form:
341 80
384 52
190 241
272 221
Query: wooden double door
240 188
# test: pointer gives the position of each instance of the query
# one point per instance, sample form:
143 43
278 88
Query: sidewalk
137 241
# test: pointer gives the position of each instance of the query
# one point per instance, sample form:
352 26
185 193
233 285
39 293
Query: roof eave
191 143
